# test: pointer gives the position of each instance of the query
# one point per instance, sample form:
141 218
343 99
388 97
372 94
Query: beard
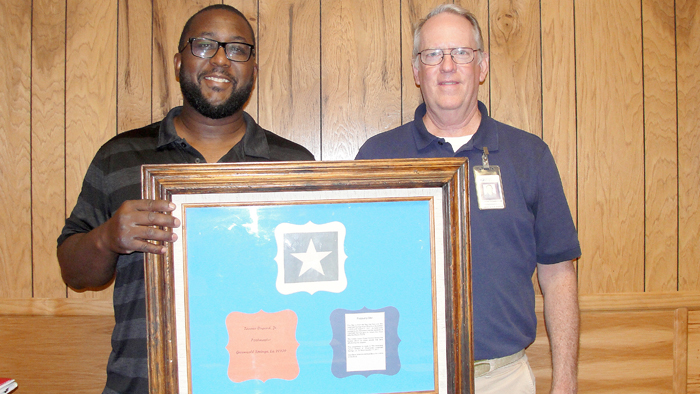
192 93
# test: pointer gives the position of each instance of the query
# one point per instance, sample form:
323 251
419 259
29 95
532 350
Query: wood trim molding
680 351
633 301
587 302
55 307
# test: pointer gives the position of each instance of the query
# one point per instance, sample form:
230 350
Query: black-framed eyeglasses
433 57
206 48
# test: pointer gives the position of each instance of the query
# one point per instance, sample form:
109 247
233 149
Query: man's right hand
88 260
131 227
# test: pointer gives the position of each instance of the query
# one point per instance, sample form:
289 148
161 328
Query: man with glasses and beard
110 227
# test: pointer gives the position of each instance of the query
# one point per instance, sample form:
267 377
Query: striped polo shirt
114 176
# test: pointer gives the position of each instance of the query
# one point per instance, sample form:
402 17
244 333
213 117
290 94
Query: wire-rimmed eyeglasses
433 57
206 48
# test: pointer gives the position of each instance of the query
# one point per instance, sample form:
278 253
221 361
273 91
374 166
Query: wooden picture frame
367 272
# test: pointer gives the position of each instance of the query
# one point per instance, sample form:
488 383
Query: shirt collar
166 132
422 135
486 135
254 141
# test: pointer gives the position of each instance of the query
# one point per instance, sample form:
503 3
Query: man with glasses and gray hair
519 216
110 227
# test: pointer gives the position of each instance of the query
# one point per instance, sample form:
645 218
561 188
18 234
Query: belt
482 367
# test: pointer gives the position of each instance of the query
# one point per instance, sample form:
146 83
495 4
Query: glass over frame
282 280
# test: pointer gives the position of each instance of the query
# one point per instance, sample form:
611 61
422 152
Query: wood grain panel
169 17
559 91
48 139
361 74
688 63
632 302
615 347
70 339
623 344
660 144
610 146
134 64
289 82
515 64
559 95
55 354
55 307
91 91
680 351
249 8
693 352
15 162
480 9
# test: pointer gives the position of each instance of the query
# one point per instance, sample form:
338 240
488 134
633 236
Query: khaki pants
515 378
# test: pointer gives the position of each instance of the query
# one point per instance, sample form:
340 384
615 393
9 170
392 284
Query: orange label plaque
262 346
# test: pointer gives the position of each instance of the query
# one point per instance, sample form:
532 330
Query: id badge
489 187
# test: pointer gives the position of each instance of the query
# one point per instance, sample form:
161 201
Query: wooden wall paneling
49 354
559 91
622 344
615 347
480 9
134 64
48 144
559 95
250 9
610 146
289 75
693 367
56 307
680 351
660 146
688 63
361 74
169 17
412 11
642 301
516 87
91 91
15 161
515 63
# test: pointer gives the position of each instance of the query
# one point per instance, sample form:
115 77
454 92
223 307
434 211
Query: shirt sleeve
555 232
90 209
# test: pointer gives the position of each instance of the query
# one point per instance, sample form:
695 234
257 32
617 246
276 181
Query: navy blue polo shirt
534 227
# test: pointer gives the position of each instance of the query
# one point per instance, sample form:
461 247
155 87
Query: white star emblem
311 259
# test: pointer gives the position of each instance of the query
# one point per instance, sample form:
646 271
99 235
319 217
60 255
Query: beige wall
611 86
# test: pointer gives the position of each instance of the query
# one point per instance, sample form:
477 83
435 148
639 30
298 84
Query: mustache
219 71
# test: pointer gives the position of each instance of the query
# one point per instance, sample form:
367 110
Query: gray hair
452 9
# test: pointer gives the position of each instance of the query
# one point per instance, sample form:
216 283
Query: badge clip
489 186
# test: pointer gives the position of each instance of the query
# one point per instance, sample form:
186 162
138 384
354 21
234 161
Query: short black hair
225 7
